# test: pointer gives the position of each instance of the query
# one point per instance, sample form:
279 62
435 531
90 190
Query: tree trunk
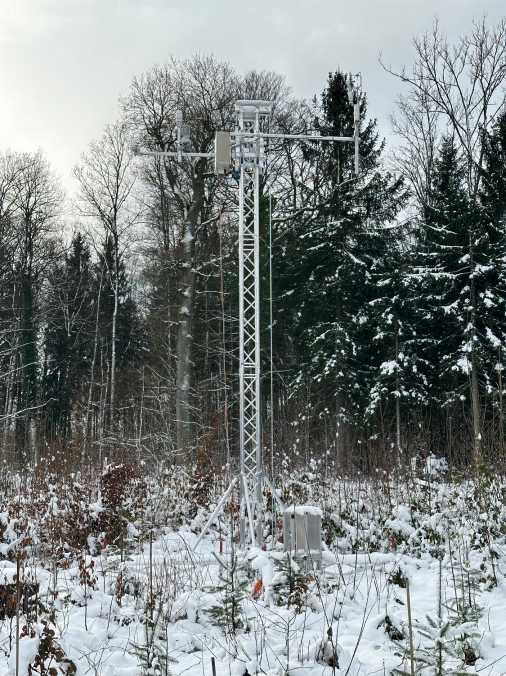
184 329
29 371
398 400
500 400
475 403
84 448
113 346
9 400
11 377
183 349
475 392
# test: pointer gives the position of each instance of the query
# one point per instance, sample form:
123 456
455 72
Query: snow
389 367
493 339
303 509
380 536
464 365
27 650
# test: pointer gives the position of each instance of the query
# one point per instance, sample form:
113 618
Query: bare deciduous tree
460 87
106 182
30 198
205 90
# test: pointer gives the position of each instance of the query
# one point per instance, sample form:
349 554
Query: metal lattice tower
251 158
244 150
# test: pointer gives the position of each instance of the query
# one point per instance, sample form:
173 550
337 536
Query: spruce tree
490 260
493 185
443 269
399 386
331 260
462 290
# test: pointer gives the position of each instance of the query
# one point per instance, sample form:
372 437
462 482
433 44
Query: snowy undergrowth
412 578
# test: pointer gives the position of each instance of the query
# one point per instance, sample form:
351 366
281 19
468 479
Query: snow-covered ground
123 591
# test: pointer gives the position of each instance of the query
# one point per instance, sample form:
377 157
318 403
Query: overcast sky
64 63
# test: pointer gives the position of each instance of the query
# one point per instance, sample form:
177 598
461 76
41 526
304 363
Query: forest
383 294
142 532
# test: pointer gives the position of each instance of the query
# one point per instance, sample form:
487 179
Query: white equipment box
302 531
222 153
